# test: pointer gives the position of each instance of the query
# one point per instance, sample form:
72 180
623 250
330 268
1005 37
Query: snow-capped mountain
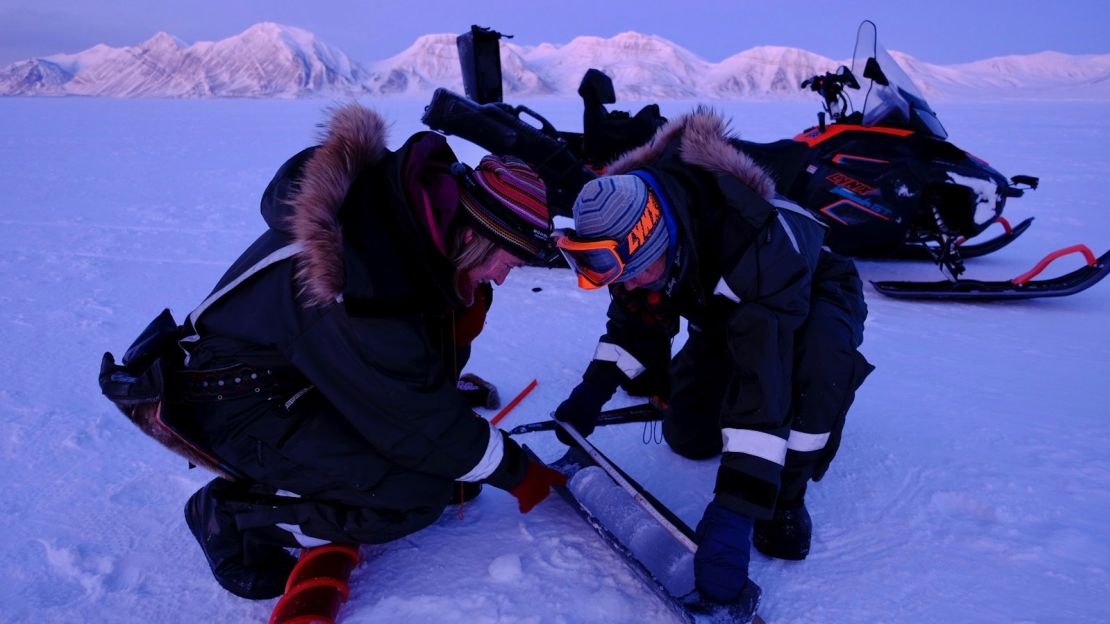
1047 74
433 61
266 60
766 71
34 77
270 60
641 66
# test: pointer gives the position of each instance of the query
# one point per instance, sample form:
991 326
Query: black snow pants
828 369
303 468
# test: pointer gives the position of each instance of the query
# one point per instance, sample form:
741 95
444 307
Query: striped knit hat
507 202
610 207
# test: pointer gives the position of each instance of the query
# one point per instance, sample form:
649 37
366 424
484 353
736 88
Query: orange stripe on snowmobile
840 158
814 137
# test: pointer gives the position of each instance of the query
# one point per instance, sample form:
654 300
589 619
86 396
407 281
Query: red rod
1006 225
1083 249
508 408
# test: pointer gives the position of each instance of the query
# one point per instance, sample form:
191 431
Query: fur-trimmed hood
352 139
703 142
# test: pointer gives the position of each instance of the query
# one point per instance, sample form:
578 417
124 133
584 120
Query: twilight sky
938 31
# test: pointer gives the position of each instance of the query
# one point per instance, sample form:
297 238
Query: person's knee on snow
372 279
691 221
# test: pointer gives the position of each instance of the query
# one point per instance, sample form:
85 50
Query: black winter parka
747 261
350 288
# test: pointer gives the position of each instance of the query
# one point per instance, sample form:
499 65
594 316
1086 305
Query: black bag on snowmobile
137 386
608 134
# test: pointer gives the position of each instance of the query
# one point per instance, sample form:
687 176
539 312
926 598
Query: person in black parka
321 371
689 226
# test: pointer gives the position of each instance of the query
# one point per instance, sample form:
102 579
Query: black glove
584 404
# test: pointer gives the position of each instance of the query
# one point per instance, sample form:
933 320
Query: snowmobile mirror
872 71
846 77
480 60
607 134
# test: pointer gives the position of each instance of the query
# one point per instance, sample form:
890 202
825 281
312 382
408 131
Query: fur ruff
354 138
703 136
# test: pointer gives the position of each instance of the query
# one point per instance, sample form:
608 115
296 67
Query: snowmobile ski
921 251
662 552
1021 287
642 412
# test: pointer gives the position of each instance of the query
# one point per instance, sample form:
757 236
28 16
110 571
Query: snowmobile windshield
892 99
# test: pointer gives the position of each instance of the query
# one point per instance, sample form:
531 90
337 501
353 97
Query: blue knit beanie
609 207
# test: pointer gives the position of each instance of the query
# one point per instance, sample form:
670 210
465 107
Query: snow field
973 483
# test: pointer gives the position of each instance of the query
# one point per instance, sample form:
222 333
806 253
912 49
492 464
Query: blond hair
465 255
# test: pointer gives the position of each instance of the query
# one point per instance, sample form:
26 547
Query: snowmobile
885 180
888 183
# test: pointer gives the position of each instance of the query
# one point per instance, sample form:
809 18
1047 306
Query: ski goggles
597 262
601 262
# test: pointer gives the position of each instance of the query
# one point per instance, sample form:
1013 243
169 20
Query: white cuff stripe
806 442
495 450
609 352
723 290
757 443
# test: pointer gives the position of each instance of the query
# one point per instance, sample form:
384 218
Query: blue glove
724 550
584 404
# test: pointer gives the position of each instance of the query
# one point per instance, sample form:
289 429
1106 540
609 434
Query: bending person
688 226
323 368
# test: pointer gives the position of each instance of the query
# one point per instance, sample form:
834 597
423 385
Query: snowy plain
973 484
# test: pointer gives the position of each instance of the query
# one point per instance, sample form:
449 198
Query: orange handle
508 408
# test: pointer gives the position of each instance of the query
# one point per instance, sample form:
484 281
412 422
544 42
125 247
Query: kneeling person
323 367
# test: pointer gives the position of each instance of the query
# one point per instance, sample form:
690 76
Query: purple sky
939 31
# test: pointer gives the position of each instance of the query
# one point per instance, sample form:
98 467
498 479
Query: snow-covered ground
973 484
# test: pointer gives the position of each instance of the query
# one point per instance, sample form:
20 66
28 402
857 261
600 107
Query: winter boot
248 563
787 534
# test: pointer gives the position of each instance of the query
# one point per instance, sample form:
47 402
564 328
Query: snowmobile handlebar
831 88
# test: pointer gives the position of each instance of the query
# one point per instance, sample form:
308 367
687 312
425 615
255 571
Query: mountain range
271 60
